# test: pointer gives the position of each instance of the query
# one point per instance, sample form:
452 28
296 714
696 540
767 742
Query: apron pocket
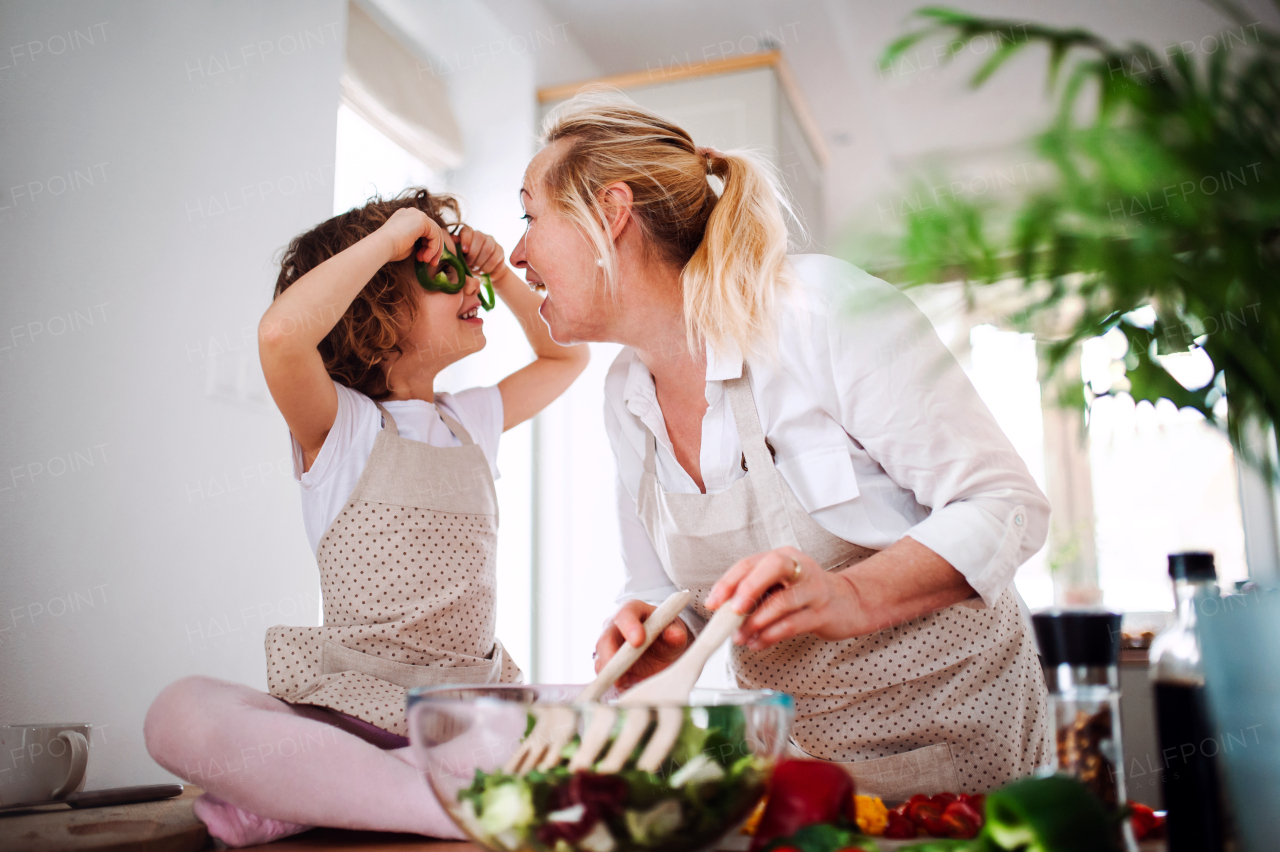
898 777
337 658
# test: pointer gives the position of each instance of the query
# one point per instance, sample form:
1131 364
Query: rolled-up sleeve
904 398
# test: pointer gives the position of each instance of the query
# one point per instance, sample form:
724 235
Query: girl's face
447 327
557 257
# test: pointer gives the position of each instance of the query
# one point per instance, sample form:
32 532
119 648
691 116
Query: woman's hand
904 581
823 603
628 626
403 230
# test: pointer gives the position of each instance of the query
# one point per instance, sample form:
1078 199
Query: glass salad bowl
713 778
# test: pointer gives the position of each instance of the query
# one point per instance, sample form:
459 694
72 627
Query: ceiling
876 123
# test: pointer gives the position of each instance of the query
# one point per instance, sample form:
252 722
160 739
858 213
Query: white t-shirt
327 486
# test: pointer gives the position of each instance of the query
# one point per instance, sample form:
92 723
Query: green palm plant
1164 192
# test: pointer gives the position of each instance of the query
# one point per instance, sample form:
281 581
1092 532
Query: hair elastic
708 154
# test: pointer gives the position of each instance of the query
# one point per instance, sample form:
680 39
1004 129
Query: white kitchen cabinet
743 103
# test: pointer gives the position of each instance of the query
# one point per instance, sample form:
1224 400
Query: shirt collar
638 394
724 364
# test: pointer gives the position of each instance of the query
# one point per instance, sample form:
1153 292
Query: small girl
399 507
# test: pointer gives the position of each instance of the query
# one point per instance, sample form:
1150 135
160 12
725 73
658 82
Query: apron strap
766 482
388 422
650 452
456 428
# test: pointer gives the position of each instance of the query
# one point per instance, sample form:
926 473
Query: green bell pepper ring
440 282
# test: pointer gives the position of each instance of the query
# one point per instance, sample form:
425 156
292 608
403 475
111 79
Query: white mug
42 763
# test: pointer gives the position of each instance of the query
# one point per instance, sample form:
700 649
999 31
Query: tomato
1145 821
961 821
922 811
899 828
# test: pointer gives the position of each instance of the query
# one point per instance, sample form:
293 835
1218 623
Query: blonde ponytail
731 250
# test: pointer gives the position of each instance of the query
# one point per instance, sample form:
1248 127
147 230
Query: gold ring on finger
795 570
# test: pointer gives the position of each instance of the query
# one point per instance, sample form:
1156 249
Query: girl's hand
403 230
482 252
628 626
823 603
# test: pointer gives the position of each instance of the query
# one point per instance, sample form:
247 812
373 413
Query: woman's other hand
780 605
403 230
627 625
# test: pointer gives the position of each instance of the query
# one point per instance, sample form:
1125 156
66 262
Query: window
368 163
1142 482
1164 481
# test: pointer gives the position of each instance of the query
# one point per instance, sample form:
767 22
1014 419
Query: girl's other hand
482 252
403 230
628 626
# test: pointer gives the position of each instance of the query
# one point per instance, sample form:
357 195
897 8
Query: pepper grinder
1080 652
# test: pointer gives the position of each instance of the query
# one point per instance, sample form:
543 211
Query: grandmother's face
557 256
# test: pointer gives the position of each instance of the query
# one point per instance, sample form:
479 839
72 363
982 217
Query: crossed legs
281 762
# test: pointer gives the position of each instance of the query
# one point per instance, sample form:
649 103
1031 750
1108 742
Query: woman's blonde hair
731 250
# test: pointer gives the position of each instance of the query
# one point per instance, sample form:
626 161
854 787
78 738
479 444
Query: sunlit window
1164 481
368 163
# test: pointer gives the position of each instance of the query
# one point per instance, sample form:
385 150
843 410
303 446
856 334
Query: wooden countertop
170 826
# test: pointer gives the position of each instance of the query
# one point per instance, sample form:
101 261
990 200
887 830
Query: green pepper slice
452 276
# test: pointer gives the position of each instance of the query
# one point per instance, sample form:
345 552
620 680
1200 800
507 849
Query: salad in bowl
711 780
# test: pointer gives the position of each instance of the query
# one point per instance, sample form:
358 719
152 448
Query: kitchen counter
169 826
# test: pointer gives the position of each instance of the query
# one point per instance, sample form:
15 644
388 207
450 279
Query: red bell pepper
805 792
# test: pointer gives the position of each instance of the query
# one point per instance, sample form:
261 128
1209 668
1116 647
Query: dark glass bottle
1190 782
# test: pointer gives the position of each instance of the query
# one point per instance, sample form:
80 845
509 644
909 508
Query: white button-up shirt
876 429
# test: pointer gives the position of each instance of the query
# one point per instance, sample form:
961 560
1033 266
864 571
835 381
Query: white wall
203 137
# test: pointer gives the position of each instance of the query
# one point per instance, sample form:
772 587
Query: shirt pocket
821 477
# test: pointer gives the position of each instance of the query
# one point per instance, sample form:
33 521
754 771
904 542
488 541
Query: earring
600 262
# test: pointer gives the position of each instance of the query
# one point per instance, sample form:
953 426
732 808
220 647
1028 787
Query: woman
792 421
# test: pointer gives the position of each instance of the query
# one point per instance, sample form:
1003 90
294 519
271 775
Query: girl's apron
408 579
950 701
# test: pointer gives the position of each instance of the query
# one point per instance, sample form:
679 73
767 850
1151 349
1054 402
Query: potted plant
1163 192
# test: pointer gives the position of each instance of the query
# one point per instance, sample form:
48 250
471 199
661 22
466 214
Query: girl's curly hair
375 324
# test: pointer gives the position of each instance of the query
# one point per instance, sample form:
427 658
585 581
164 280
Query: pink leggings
287 762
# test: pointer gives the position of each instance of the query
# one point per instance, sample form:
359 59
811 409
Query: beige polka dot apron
951 701
408 578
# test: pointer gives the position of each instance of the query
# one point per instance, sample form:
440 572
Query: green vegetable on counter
825 837
1054 814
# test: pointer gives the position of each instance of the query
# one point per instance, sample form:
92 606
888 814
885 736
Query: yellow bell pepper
872 816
